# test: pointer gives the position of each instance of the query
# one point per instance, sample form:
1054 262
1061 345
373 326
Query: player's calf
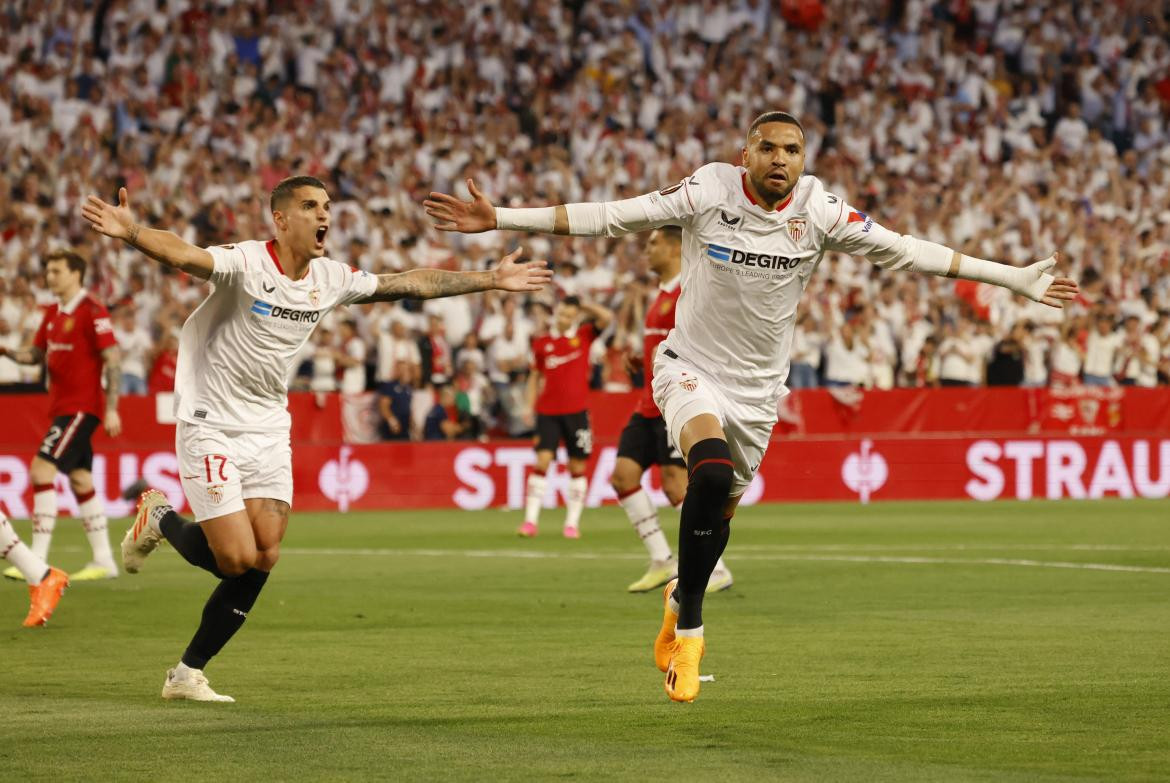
701 525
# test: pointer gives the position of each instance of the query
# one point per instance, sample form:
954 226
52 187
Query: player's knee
623 481
266 558
42 471
81 484
709 465
675 493
236 562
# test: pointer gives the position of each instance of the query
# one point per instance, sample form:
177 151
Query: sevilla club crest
796 228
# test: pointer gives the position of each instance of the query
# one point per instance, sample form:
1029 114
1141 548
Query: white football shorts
219 469
683 391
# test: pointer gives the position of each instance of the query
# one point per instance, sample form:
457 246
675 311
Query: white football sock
44 520
534 498
644 517
689 631
182 671
578 486
672 599
11 547
93 519
721 566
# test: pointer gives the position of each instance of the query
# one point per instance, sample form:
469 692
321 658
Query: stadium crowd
1005 128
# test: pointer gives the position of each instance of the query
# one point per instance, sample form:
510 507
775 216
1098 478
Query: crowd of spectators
1004 128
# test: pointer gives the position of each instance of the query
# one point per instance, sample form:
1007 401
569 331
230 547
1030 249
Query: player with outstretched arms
752 236
644 442
235 352
557 393
76 342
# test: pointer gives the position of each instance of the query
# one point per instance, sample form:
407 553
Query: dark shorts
67 444
572 429
644 441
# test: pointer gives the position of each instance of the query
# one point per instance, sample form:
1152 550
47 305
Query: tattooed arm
166 247
112 370
30 355
434 283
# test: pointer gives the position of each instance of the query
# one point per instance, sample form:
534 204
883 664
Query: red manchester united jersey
564 360
659 322
72 337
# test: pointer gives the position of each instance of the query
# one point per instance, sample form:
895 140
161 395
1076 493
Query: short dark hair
286 187
774 116
673 233
74 261
575 301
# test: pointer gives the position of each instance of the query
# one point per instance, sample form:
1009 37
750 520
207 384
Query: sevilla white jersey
237 349
745 268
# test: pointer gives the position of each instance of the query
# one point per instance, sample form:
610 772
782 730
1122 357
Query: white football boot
191 685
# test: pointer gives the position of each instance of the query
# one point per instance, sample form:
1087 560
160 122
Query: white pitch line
949 548
541 555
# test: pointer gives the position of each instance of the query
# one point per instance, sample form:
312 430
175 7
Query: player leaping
235 352
752 236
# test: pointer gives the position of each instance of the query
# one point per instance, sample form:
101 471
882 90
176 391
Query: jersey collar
72 304
271 245
669 285
748 195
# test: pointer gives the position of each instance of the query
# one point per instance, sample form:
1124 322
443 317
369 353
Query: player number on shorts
585 440
51 439
217 458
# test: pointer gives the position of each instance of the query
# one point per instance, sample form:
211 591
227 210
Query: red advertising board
1061 447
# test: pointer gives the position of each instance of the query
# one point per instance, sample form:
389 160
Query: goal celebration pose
235 352
752 237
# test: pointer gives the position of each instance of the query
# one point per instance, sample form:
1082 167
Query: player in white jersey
752 236
235 353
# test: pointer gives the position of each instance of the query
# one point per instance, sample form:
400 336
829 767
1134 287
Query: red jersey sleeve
103 327
41 340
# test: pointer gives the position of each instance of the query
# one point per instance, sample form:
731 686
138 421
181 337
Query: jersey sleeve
356 284
674 205
849 230
103 327
230 264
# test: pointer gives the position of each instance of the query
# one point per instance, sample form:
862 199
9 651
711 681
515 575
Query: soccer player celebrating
643 442
76 340
46 584
558 387
752 236
235 353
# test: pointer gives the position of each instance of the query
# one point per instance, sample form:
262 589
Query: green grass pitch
897 641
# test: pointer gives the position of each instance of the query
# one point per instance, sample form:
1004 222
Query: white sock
11 547
183 671
578 486
44 520
644 517
93 519
154 518
721 566
535 497
672 600
684 632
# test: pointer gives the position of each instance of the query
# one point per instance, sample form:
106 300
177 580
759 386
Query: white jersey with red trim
236 350
744 268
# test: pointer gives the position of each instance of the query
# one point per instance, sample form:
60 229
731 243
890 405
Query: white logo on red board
343 480
865 472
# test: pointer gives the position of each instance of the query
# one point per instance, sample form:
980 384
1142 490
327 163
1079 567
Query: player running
235 352
643 441
752 236
76 341
558 388
46 584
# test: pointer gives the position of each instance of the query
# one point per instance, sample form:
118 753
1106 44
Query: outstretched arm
165 247
30 355
674 205
508 275
600 314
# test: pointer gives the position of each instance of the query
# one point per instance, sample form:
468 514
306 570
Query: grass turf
889 642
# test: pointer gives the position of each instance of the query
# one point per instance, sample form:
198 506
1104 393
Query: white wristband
540 219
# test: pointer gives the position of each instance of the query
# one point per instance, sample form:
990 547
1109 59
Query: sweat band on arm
540 219
945 262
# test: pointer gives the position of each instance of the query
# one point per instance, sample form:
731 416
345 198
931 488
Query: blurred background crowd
1004 128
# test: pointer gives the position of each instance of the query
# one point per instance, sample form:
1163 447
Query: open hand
513 276
467 217
1042 286
116 222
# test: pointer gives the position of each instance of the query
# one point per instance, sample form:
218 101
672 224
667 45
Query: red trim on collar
748 193
271 245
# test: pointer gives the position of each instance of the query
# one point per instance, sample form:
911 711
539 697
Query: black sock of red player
700 534
189 541
223 615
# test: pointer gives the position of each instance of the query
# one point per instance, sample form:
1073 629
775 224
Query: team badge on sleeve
796 228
